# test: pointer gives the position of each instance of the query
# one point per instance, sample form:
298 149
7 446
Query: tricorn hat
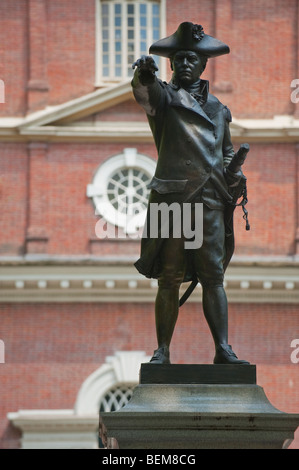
189 37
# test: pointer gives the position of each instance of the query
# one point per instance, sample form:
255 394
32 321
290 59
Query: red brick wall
271 174
71 49
59 210
14 56
263 58
47 361
13 198
44 208
57 58
122 112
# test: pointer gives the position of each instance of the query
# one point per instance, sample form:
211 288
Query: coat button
188 162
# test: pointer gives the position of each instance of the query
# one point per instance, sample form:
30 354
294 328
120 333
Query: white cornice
250 131
80 107
112 282
56 429
78 428
278 129
58 420
104 132
61 123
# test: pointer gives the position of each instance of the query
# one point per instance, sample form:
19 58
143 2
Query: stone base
202 414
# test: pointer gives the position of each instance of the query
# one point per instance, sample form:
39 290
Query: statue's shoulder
216 105
162 83
169 86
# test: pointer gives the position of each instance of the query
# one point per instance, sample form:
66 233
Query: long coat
194 145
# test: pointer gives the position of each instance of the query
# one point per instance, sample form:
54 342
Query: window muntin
127 190
120 189
127 29
116 397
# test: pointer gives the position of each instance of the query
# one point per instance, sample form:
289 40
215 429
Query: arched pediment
123 367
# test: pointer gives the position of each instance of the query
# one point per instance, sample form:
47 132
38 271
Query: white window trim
129 159
123 367
99 80
78 428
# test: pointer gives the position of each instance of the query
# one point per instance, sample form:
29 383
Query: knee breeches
205 262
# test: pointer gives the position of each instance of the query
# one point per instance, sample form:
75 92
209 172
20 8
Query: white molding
277 129
121 283
102 132
39 128
79 107
61 123
55 429
123 367
102 81
78 428
129 160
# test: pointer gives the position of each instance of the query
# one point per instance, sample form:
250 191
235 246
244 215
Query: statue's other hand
146 64
231 178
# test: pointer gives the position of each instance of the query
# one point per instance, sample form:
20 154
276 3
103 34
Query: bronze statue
191 131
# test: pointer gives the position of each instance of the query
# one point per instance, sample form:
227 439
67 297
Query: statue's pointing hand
145 65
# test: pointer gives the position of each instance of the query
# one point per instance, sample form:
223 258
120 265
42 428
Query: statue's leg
215 309
167 300
209 268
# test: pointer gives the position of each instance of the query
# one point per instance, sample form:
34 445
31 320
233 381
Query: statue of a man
191 131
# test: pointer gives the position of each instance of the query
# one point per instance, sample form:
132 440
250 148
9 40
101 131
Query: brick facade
56 61
48 359
35 221
48 59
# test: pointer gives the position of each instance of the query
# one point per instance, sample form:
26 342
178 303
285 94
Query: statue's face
187 67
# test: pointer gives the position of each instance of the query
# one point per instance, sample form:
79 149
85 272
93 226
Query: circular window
119 189
127 190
